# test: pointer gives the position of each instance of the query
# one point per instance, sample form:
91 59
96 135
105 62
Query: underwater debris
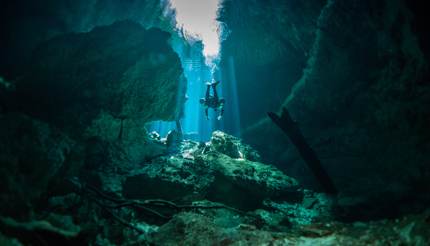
289 126
173 141
150 206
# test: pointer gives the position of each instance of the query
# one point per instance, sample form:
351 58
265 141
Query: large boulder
197 229
173 178
245 184
232 146
200 171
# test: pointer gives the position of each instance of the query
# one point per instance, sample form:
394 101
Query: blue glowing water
195 126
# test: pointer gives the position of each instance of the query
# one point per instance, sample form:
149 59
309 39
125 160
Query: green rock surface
200 171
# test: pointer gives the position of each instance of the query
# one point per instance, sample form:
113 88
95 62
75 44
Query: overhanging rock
122 70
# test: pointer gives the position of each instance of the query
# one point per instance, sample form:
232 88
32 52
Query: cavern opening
214 122
196 22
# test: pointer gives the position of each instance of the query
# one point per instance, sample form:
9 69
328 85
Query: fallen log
291 129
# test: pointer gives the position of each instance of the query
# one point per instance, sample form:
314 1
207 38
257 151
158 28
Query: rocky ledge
198 194
218 171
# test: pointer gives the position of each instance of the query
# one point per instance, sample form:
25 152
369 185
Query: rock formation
82 105
202 171
355 79
80 79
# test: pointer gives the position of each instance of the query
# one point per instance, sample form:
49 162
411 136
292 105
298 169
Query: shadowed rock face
360 100
198 229
31 154
122 69
81 109
265 53
26 24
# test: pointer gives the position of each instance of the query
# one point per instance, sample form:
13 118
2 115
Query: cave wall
121 69
360 99
77 85
265 48
61 62
25 24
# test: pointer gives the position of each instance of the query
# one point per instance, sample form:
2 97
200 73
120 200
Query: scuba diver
213 101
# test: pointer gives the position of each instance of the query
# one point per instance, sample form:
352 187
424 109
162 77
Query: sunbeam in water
197 19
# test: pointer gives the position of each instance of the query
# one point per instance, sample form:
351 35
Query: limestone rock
232 146
183 227
171 178
31 154
126 140
122 70
100 88
200 171
245 184
361 103
197 229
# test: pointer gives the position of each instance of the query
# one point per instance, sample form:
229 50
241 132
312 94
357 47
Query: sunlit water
198 19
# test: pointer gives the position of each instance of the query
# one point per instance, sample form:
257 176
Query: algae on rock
202 171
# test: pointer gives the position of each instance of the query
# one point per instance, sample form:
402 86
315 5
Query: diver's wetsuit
213 101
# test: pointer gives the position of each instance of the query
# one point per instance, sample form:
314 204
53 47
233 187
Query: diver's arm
207 113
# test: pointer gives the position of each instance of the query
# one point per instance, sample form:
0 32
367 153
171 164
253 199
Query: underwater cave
214 122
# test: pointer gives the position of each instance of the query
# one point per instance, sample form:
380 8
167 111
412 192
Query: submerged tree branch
150 206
